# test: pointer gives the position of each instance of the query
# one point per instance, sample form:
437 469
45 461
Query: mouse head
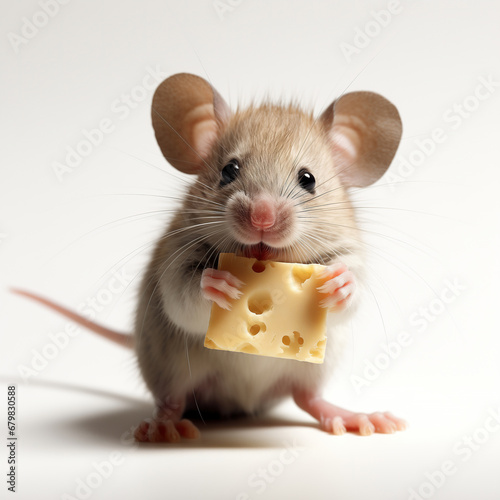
272 179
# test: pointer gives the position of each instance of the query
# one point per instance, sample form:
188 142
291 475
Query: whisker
385 236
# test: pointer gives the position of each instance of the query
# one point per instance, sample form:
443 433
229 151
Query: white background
65 238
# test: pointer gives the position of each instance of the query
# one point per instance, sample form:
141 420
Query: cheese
278 314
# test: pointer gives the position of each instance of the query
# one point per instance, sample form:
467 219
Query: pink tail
120 338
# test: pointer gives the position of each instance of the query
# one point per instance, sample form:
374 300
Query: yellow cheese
278 314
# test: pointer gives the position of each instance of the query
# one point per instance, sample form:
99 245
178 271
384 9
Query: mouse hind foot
165 430
336 420
167 424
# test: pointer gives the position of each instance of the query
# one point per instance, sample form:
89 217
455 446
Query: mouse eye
306 180
229 173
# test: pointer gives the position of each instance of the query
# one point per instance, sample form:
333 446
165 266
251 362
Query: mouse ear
188 115
365 131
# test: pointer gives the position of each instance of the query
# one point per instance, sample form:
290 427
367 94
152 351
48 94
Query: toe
187 429
141 432
366 428
334 284
382 423
157 431
333 270
338 427
401 424
152 433
216 296
171 434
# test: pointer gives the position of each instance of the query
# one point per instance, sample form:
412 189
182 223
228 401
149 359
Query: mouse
271 181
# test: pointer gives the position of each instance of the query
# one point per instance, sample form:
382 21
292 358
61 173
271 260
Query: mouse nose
263 214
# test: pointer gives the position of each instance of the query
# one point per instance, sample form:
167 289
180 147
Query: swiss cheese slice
278 314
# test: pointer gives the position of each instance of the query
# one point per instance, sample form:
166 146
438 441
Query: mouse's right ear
188 115
364 131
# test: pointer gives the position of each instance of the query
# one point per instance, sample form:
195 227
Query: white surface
65 238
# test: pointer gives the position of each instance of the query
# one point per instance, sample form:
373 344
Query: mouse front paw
339 286
220 286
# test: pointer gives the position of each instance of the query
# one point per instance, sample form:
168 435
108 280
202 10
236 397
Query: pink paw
165 431
337 420
219 286
365 424
338 287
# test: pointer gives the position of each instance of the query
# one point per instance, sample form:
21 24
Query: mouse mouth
259 251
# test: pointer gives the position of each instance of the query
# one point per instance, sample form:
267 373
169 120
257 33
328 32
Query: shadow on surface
114 427
63 386
238 432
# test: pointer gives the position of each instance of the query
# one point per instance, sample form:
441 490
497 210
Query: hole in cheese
256 328
260 303
292 345
318 350
301 274
258 267
300 340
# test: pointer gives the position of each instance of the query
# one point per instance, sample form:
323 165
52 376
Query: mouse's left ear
364 130
188 116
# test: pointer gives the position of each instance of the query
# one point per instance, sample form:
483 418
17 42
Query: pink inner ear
201 129
204 136
346 143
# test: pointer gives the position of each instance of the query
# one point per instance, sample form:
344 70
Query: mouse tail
123 339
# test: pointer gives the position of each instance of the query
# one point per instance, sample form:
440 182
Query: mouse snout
261 219
263 213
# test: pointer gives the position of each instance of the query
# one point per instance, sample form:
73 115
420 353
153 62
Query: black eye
306 180
229 173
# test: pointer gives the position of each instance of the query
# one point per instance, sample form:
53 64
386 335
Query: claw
220 286
338 287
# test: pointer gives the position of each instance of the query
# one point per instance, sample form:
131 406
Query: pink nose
263 214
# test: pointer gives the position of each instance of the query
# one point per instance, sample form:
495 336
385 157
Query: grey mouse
270 182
